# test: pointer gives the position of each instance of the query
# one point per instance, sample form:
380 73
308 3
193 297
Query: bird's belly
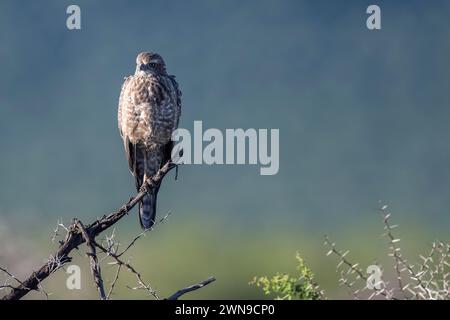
150 126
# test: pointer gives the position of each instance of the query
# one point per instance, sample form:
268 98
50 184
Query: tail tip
146 224
147 213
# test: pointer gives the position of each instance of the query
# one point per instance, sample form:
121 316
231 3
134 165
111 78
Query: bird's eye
152 65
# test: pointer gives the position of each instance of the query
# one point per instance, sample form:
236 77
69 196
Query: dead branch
77 234
142 284
95 266
113 283
197 286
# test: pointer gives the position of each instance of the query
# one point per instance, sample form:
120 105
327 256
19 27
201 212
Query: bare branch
113 284
395 250
353 269
143 233
95 266
142 284
11 275
194 287
74 237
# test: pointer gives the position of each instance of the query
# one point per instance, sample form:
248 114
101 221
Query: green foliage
285 287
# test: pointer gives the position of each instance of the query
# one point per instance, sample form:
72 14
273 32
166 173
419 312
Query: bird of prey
148 113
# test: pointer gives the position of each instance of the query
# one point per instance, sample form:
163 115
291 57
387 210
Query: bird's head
150 63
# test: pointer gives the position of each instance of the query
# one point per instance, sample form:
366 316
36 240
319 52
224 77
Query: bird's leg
145 170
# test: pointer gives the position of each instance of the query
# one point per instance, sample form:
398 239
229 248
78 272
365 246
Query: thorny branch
430 281
353 269
113 283
130 268
395 250
77 234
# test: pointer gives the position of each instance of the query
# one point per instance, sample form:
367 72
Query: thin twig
11 275
142 284
143 233
197 286
113 284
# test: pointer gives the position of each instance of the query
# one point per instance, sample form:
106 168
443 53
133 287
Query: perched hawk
149 111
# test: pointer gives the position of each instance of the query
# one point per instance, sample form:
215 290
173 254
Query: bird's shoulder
124 86
135 83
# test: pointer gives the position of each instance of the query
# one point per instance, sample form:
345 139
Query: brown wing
177 97
121 104
130 149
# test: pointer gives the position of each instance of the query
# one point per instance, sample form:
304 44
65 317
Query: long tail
147 210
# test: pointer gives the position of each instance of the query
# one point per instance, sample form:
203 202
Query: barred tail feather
147 210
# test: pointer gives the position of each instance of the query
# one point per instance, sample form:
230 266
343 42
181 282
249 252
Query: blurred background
363 117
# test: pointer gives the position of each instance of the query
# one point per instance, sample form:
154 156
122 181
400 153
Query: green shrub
285 287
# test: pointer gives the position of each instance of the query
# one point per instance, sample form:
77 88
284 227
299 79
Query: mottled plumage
148 113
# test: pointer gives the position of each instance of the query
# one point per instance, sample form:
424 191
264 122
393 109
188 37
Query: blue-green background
363 116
